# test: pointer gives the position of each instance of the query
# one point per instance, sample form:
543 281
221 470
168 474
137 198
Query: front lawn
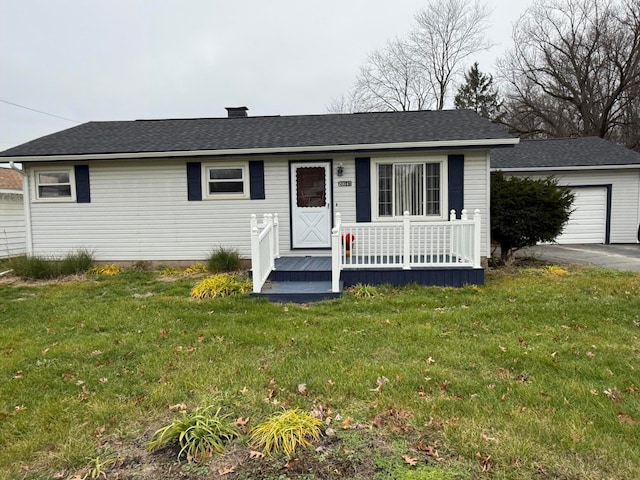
535 375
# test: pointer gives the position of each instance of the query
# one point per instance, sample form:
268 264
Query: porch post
276 224
255 254
336 255
407 241
477 236
271 240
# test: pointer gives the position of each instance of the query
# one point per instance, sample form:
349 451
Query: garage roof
563 153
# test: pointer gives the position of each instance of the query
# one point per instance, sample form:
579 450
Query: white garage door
588 222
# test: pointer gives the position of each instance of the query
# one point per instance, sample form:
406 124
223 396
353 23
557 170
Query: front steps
300 280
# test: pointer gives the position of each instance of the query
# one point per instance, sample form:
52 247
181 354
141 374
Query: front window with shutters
411 186
226 181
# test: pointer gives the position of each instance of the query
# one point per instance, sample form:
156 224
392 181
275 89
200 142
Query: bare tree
448 32
391 79
574 69
417 73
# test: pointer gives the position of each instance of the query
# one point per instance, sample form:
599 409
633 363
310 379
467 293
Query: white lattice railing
407 244
265 243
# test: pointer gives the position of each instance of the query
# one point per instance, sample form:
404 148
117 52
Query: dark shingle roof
277 132
563 152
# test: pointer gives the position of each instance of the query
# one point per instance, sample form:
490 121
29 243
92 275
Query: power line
39 111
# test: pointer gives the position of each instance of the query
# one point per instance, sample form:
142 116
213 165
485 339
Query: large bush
525 211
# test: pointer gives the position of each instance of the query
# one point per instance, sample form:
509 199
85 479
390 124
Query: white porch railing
265 241
407 244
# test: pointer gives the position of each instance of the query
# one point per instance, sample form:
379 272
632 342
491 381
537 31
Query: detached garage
604 176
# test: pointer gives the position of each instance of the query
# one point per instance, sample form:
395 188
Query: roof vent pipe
237 112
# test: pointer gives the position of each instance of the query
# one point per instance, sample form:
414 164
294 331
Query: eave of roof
382 147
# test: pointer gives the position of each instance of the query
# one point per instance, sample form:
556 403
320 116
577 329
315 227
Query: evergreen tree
525 211
479 94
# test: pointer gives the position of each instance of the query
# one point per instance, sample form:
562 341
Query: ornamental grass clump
285 432
221 285
42 268
200 434
224 260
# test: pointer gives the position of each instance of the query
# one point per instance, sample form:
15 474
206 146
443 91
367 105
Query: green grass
516 371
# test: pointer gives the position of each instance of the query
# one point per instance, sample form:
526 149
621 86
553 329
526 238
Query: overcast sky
129 59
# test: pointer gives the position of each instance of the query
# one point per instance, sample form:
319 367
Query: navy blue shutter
194 181
83 189
363 189
256 180
456 183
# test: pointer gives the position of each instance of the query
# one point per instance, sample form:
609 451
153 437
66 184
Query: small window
54 185
226 181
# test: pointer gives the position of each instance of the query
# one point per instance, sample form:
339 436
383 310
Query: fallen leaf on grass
178 406
96 353
291 463
488 439
347 422
302 389
429 449
380 383
411 461
244 390
241 422
485 462
18 374
19 408
256 455
430 360
164 333
627 419
226 471
104 380
614 394
200 339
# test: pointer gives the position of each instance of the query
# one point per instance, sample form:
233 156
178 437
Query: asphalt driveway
619 256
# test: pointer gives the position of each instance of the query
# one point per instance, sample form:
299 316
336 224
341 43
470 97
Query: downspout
27 206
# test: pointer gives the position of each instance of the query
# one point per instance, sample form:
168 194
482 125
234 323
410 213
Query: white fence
407 244
265 241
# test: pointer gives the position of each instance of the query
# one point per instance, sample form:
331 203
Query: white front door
311 204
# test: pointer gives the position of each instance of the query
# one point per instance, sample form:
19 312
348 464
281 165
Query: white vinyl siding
625 196
12 229
476 191
139 210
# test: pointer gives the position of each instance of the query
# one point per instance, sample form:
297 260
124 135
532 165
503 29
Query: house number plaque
345 183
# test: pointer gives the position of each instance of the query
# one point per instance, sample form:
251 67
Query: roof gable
267 133
563 153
